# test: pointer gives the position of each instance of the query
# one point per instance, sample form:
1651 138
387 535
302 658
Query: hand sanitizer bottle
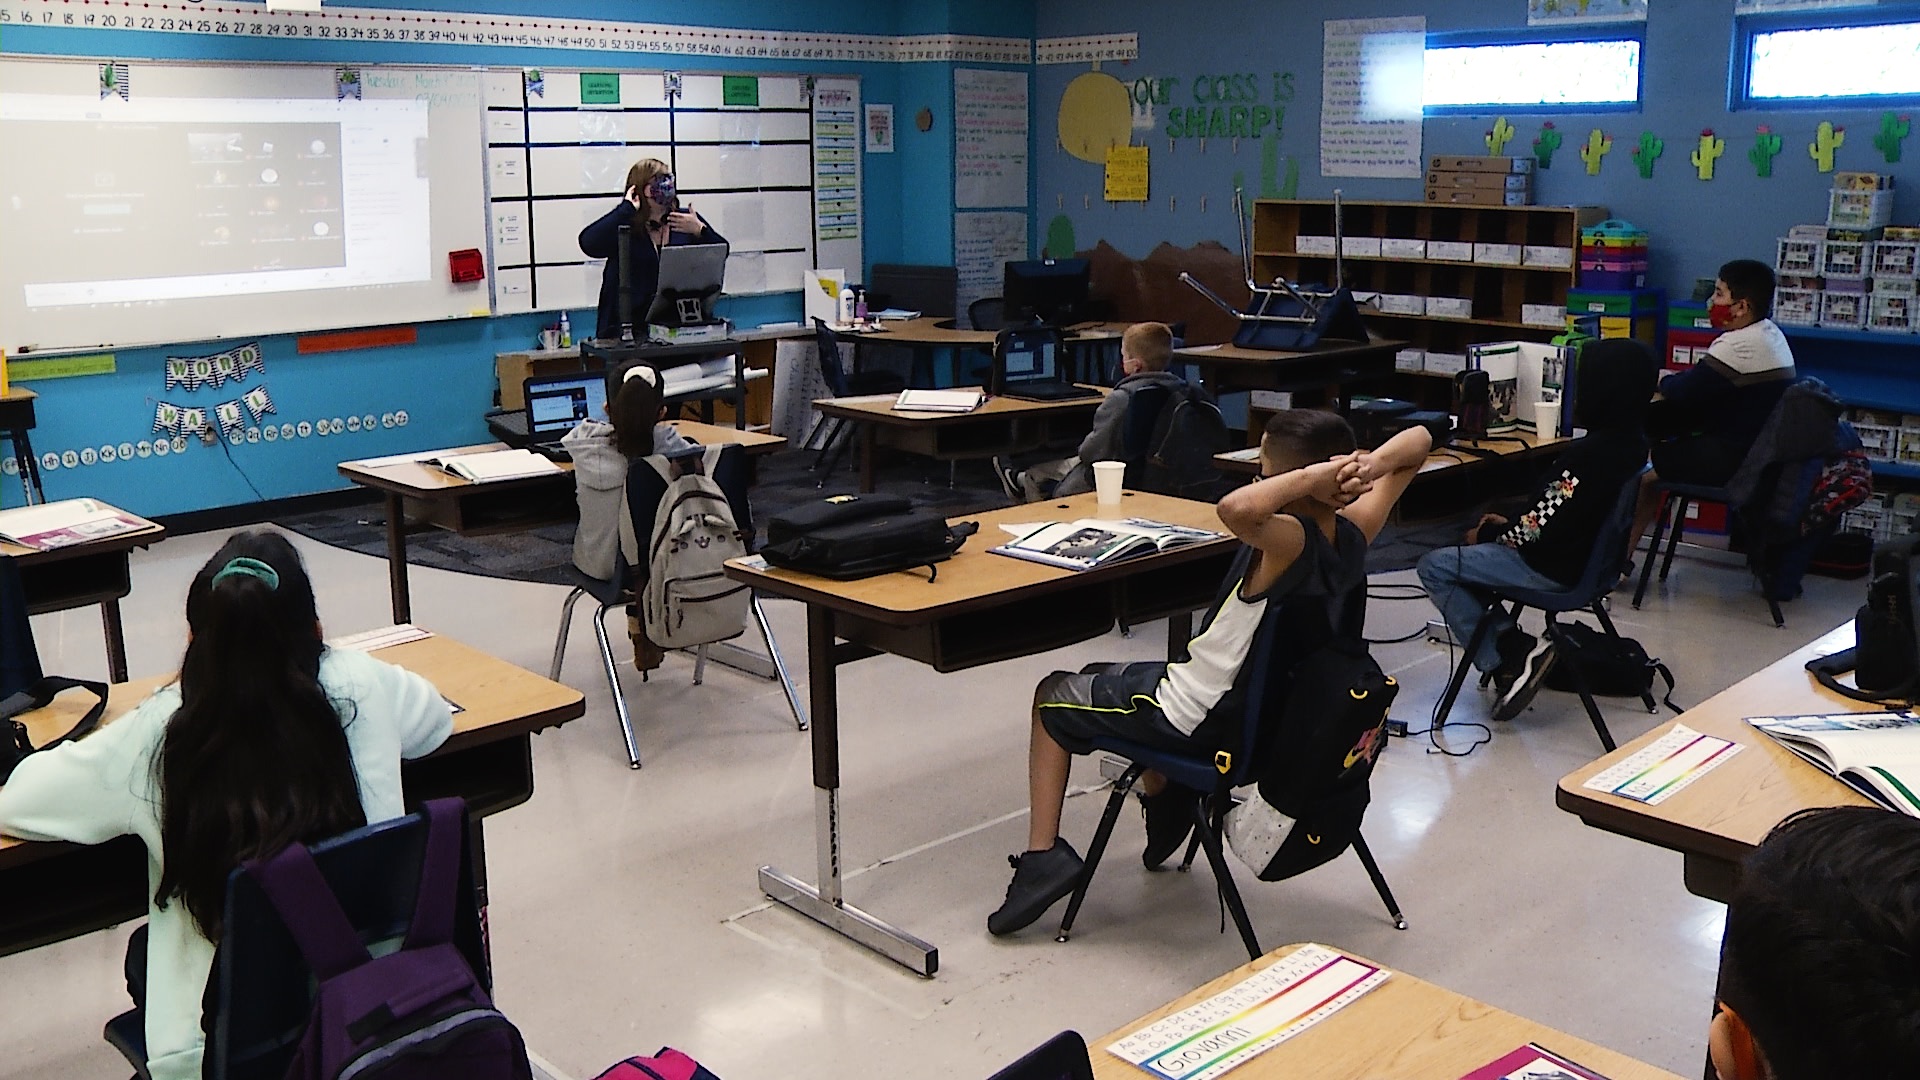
846 304
566 332
859 303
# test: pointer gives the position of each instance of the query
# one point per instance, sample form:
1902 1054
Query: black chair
841 383
1216 775
1674 501
644 491
260 992
987 313
1602 573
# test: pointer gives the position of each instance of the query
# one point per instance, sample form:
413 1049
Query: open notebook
1875 753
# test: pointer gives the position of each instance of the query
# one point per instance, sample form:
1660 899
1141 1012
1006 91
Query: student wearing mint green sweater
267 737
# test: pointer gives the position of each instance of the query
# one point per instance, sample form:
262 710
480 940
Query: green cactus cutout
1498 138
1704 157
1598 145
1290 184
1893 130
1649 151
1766 147
1270 168
1826 140
1060 240
1544 144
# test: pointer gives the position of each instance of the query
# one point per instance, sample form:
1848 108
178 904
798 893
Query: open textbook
494 465
65 523
1089 542
1875 753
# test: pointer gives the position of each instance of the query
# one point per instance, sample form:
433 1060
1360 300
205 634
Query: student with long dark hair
267 737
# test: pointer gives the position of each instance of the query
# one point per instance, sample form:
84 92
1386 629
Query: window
1854 60
1468 76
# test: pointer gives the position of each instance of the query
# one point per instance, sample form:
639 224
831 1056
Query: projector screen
218 202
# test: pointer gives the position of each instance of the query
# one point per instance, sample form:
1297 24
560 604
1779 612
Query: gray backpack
688 599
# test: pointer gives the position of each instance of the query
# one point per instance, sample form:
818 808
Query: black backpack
1613 666
856 536
1178 456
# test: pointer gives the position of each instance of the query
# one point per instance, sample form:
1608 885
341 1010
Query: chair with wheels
1602 573
1216 774
841 383
644 491
259 995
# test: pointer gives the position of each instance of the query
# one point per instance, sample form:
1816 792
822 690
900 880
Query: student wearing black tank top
1307 522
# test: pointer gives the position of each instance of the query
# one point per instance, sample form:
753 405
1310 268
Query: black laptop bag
856 536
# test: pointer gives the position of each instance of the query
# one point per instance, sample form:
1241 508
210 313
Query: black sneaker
1010 482
1169 818
1513 645
1040 880
1526 682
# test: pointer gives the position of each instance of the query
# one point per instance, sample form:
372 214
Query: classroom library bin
1453 236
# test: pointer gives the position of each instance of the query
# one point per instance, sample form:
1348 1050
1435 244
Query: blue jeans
1462 581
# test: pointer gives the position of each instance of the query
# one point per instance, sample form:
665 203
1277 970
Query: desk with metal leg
980 608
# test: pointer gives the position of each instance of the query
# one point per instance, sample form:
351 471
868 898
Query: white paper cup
1108 478
1546 419
549 339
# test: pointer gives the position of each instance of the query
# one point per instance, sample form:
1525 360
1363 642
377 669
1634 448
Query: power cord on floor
1432 730
1408 591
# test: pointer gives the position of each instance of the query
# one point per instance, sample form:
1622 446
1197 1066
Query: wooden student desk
1721 817
432 496
979 608
1002 425
1405 1028
927 334
1328 367
81 575
1530 447
53 891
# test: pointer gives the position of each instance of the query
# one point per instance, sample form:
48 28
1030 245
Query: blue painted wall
1696 226
445 381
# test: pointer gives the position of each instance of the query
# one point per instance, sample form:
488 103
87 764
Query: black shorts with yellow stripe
1111 701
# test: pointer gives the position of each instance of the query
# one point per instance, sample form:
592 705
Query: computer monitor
1051 291
691 276
555 403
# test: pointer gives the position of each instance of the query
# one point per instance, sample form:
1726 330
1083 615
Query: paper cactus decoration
1893 130
1544 144
1498 138
1650 148
1704 157
1598 143
1825 141
1766 147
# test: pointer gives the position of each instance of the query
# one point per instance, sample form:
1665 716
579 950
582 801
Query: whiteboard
264 201
556 162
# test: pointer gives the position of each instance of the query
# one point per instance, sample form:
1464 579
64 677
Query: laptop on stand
1026 365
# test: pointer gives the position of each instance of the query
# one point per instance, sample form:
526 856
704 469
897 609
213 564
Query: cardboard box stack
1480 181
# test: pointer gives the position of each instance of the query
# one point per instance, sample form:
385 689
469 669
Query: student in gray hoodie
1145 351
601 453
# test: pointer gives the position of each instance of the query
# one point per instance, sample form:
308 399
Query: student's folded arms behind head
266 738
1306 524
1820 963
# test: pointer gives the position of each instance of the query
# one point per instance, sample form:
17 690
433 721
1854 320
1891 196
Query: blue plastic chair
1605 564
1215 774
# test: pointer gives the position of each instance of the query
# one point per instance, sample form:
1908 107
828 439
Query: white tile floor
626 916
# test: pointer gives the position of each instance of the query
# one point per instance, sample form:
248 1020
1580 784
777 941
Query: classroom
275 266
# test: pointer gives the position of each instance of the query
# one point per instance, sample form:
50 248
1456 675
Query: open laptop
555 405
1063 1057
1026 364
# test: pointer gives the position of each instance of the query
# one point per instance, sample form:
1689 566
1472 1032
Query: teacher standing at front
652 206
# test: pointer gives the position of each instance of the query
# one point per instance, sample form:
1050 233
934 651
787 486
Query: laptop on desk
555 405
1026 365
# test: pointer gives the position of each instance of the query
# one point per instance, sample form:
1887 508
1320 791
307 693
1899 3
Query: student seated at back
1820 961
1145 351
268 737
1308 522
601 454
1547 548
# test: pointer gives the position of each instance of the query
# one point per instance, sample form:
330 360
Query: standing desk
81 575
53 891
1719 819
450 502
1405 1027
16 419
1001 426
980 608
1330 366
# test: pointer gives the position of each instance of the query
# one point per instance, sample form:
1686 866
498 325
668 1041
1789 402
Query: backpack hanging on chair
688 599
1179 459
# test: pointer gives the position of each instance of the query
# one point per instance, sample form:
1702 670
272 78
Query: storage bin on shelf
1848 253
1796 300
1879 432
1798 254
1843 306
1860 200
1892 313
1613 255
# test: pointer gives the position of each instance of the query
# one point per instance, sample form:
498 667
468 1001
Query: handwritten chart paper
1371 93
1664 766
989 138
1270 1007
982 246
